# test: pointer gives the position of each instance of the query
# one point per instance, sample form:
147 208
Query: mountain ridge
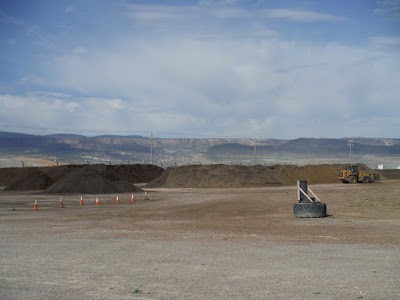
73 148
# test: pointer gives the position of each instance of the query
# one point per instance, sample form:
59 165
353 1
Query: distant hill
117 149
311 146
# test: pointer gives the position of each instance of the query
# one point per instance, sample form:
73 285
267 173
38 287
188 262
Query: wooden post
303 185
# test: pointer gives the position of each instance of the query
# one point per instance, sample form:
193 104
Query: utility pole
350 144
255 152
151 147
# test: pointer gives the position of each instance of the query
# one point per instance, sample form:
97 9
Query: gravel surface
202 244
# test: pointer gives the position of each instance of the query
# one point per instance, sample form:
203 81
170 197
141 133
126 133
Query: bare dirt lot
202 244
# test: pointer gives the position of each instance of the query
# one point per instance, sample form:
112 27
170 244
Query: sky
230 68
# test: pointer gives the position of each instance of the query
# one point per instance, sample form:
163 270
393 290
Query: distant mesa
73 149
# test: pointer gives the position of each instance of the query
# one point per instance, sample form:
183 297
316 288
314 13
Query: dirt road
202 244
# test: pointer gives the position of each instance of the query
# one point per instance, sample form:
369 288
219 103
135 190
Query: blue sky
258 69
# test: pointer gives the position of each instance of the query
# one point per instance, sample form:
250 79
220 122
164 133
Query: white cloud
72 107
220 71
153 13
64 111
32 79
214 3
5 18
104 106
11 102
388 8
386 41
300 15
69 9
79 50
246 88
39 36
230 12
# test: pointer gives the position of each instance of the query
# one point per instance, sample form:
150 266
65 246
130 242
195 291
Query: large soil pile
56 173
390 173
120 178
31 179
138 173
237 176
11 175
40 178
92 180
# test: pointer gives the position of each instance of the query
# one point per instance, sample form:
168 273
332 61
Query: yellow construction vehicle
353 175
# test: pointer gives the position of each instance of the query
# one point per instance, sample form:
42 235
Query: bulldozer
352 174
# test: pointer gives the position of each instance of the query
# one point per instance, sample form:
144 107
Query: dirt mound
31 179
138 173
58 172
9 175
132 173
237 176
93 179
389 173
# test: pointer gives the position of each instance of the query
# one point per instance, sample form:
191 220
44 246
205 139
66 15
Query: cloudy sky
260 69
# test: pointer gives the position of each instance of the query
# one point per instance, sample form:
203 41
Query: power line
350 144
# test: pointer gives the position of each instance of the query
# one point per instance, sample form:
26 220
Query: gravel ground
202 244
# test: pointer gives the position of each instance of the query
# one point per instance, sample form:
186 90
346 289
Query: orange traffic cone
117 200
35 205
132 199
81 201
61 203
97 201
